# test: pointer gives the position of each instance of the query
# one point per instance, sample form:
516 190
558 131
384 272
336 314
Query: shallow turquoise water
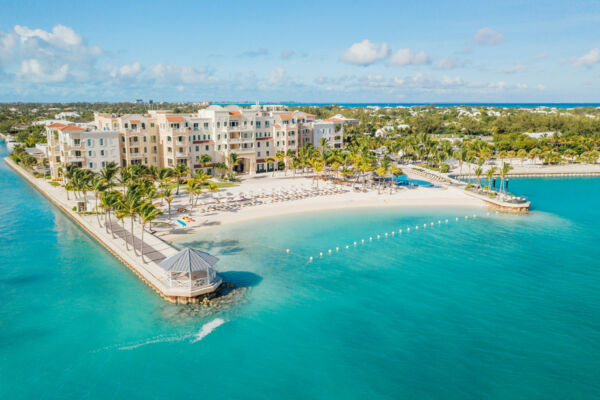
500 307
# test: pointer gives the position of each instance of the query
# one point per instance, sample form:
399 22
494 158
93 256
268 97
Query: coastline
149 272
417 197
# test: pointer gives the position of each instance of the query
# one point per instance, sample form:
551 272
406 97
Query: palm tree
490 175
108 173
110 200
279 156
98 185
478 172
232 160
130 205
168 196
205 159
179 171
147 213
505 168
318 168
270 160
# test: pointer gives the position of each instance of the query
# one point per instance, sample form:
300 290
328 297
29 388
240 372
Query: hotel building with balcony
164 139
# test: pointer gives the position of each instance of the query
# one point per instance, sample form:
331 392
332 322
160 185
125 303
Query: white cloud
255 53
286 54
587 60
408 57
365 53
448 63
127 71
277 75
33 71
488 37
513 69
178 74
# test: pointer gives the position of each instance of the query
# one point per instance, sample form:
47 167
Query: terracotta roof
71 128
175 119
310 115
334 120
135 121
285 116
235 113
277 126
55 125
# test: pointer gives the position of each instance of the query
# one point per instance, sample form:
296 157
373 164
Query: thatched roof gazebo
192 269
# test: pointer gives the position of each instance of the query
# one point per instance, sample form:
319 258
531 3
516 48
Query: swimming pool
403 180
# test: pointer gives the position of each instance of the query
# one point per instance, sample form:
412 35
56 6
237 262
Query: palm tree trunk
132 237
142 242
125 234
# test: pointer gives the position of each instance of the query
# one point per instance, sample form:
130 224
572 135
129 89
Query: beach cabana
192 269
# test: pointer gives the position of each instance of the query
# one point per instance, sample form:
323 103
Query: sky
308 51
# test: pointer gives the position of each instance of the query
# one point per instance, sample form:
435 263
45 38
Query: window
123 139
102 154
101 142
206 125
103 164
197 148
153 139
126 126
91 165
133 126
143 125
258 124
218 124
76 142
169 138
144 138
195 126
145 149
151 124
90 153
89 142
206 147
124 150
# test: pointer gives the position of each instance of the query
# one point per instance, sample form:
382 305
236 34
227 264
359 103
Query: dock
155 249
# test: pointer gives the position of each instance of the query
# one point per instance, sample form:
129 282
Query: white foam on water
208 328
160 339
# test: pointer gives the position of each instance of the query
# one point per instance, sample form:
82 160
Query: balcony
136 155
181 154
75 159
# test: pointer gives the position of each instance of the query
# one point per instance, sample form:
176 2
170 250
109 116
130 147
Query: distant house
541 135
67 114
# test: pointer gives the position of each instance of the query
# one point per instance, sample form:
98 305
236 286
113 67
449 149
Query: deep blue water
497 307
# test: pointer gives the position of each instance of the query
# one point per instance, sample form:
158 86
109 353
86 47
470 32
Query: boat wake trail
208 328
195 337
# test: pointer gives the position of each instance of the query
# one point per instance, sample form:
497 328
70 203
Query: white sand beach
441 196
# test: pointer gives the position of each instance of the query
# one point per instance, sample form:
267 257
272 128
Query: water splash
208 328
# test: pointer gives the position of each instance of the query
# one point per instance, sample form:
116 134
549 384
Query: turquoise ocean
493 307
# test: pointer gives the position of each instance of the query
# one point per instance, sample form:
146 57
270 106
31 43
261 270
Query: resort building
164 139
86 148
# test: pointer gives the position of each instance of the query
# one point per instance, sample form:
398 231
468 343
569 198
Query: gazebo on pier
191 269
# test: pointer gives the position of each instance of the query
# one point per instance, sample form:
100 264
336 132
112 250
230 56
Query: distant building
541 135
67 114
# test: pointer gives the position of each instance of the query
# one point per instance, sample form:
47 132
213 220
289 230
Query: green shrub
74 208
54 183
469 186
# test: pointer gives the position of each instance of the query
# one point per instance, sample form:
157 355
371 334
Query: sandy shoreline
416 197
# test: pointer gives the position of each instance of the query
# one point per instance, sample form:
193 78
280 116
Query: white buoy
446 221
432 224
329 251
287 250
399 230
439 221
363 241
386 234
407 229
466 217
474 215
355 244
424 225
321 254
370 238
378 236
457 218
310 259
347 246
393 233
417 227
337 249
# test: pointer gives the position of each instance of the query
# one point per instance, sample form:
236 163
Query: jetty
185 276
500 202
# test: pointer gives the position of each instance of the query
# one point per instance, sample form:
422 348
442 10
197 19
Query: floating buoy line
387 235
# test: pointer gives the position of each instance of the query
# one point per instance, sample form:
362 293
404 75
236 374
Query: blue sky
315 51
